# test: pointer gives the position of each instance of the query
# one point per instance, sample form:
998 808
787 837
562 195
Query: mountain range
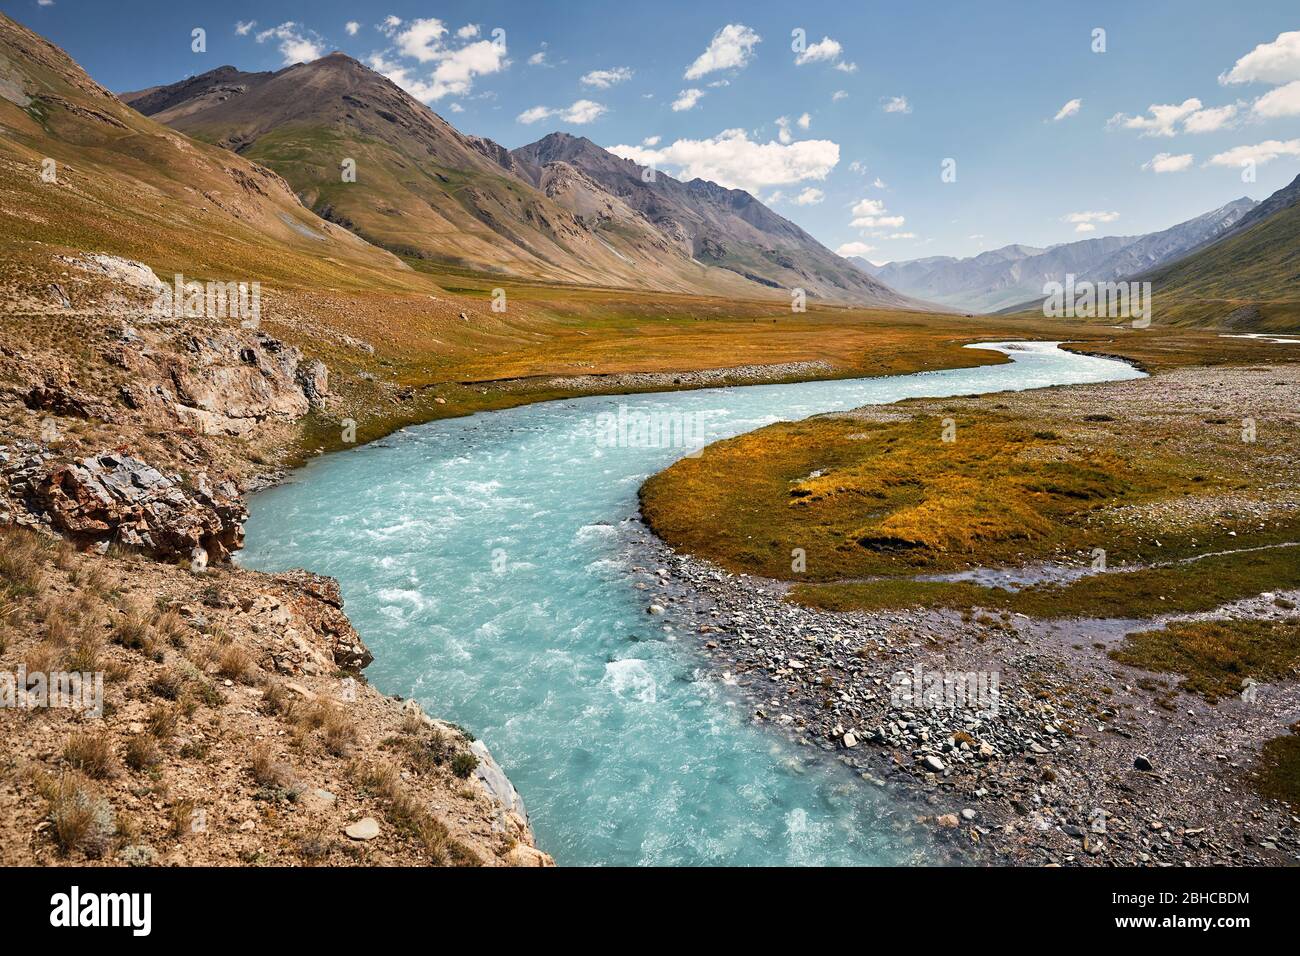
561 209
1012 275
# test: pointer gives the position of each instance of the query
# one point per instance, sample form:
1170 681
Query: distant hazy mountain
1015 274
427 191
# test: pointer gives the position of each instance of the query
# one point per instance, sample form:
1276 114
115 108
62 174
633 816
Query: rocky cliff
234 725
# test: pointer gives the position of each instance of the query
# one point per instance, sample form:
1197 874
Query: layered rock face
119 499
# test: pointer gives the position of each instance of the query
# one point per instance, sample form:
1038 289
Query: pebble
367 828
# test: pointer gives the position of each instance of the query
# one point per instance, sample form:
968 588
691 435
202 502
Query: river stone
850 739
367 828
934 763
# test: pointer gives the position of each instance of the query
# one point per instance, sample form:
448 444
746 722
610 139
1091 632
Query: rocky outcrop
116 499
232 381
319 603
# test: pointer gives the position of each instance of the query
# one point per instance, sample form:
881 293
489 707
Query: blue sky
847 136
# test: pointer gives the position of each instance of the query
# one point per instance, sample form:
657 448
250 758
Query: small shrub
267 771
234 663
91 753
464 764
82 820
142 753
168 684
162 722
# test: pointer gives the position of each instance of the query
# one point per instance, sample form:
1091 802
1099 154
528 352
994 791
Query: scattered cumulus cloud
871 214
804 121
1087 221
734 160
1069 109
297 43
687 99
352 28
1210 120
732 47
810 196
580 113
603 79
859 249
468 31
1168 119
243 27
1273 63
1259 154
839 95
1283 101
1168 163
896 104
426 42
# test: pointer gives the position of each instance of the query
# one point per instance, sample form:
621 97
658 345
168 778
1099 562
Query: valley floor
1146 715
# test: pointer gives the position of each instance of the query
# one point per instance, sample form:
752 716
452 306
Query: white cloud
687 99
1086 221
804 121
859 167
839 95
603 79
650 141
534 115
455 70
352 27
901 235
871 214
297 44
389 25
783 130
456 108
854 249
242 27
1283 101
846 67
468 32
538 58
878 183
422 39
1168 163
1258 154
1210 120
810 196
1069 109
581 112
1165 118
1276 62
731 48
896 104
732 159
827 49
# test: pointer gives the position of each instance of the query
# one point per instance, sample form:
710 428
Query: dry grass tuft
91 753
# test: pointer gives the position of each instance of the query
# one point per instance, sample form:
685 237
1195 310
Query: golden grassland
1215 657
874 499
